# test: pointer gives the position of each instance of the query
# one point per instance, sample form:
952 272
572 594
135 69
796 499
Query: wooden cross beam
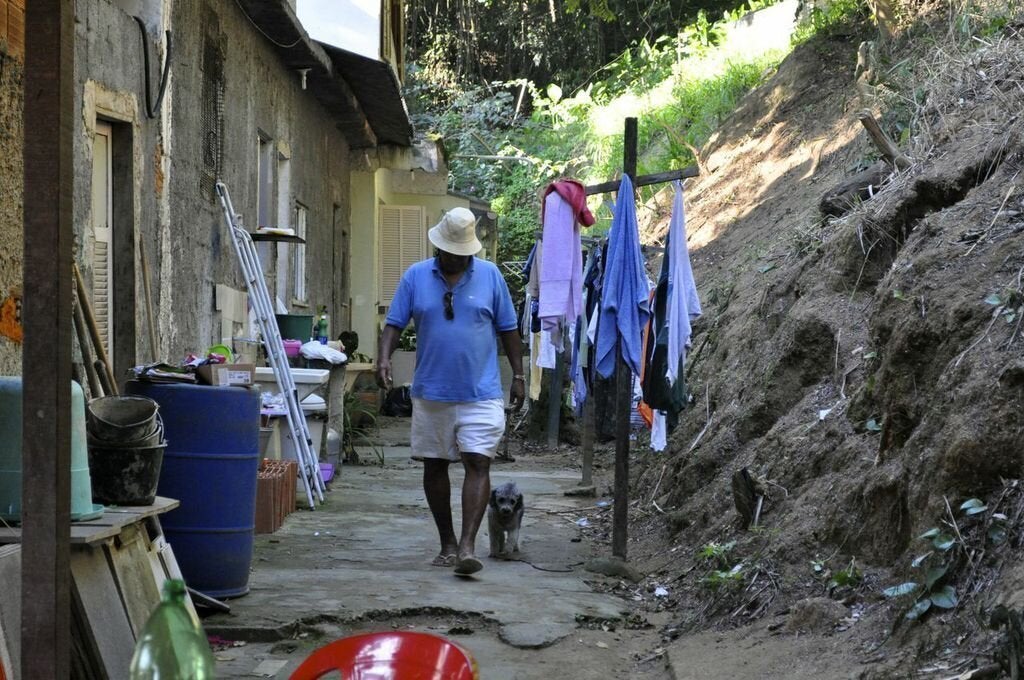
645 180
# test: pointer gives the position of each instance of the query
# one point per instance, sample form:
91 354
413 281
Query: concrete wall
370 190
261 97
11 102
108 86
363 307
164 202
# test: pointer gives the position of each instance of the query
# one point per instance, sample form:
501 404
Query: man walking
460 306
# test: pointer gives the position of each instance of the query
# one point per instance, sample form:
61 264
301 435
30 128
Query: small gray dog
504 519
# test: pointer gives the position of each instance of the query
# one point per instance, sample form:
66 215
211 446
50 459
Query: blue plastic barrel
210 465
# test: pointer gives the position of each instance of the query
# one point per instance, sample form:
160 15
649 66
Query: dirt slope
853 363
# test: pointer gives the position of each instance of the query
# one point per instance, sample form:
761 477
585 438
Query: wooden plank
171 568
159 506
134 576
644 180
10 611
108 633
97 531
80 534
46 353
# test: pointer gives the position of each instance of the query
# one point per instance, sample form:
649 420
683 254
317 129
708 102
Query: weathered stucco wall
259 97
162 183
11 102
370 190
109 68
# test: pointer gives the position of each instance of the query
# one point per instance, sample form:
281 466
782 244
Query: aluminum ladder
259 297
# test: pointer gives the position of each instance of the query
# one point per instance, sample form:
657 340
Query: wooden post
623 394
46 357
589 426
555 400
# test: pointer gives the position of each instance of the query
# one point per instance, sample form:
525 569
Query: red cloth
575 194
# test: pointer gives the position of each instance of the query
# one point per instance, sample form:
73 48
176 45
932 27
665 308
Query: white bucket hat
456 233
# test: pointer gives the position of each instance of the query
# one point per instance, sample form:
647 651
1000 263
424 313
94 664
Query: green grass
680 87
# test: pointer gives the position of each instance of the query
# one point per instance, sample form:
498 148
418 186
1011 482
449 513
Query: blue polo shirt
456 359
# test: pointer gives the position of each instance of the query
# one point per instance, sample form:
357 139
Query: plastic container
122 419
292 347
210 465
295 326
153 439
82 507
172 644
315 411
125 476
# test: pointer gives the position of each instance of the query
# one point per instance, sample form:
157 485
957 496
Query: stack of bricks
275 494
12 28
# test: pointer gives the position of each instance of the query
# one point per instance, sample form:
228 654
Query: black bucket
123 476
121 420
153 439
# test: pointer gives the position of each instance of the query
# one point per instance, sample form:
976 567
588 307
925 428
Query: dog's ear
494 499
519 501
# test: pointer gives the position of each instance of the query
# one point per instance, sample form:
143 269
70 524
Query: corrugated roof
366 111
377 88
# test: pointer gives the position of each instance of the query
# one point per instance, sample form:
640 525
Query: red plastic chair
399 655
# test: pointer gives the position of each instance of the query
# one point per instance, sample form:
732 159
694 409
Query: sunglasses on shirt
449 306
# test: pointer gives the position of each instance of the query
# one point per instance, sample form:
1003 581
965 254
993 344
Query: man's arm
388 342
514 351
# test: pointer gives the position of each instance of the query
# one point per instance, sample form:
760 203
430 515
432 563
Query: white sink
306 376
307 380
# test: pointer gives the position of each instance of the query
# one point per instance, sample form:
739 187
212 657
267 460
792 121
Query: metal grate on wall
212 116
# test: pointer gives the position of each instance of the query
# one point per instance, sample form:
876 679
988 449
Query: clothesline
612 313
573 338
592 241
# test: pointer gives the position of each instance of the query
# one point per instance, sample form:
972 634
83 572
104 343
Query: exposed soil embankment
866 368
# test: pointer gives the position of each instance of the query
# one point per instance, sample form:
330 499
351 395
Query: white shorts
446 429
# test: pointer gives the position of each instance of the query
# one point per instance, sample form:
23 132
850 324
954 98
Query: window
299 252
402 243
211 115
265 181
102 251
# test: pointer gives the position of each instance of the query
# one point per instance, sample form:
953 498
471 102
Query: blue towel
624 304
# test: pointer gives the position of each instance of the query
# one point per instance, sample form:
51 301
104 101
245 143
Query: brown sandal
444 560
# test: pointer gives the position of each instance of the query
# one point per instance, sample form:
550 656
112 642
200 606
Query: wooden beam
645 180
555 400
589 433
46 357
882 142
623 395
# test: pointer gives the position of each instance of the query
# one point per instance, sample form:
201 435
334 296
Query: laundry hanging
683 302
561 272
624 305
676 305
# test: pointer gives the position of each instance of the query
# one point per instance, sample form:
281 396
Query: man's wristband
519 377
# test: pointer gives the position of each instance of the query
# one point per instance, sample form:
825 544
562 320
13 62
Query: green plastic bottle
172 645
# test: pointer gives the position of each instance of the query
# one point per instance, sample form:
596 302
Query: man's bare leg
476 490
438 489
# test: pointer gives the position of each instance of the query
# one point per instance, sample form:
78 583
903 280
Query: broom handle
94 330
83 343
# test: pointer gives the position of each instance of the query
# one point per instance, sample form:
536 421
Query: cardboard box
222 375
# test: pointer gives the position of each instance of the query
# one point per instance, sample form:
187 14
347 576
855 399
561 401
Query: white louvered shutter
402 244
102 252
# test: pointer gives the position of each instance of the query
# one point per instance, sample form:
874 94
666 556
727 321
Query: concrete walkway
361 563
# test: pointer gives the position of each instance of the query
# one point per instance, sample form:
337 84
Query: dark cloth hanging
657 391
